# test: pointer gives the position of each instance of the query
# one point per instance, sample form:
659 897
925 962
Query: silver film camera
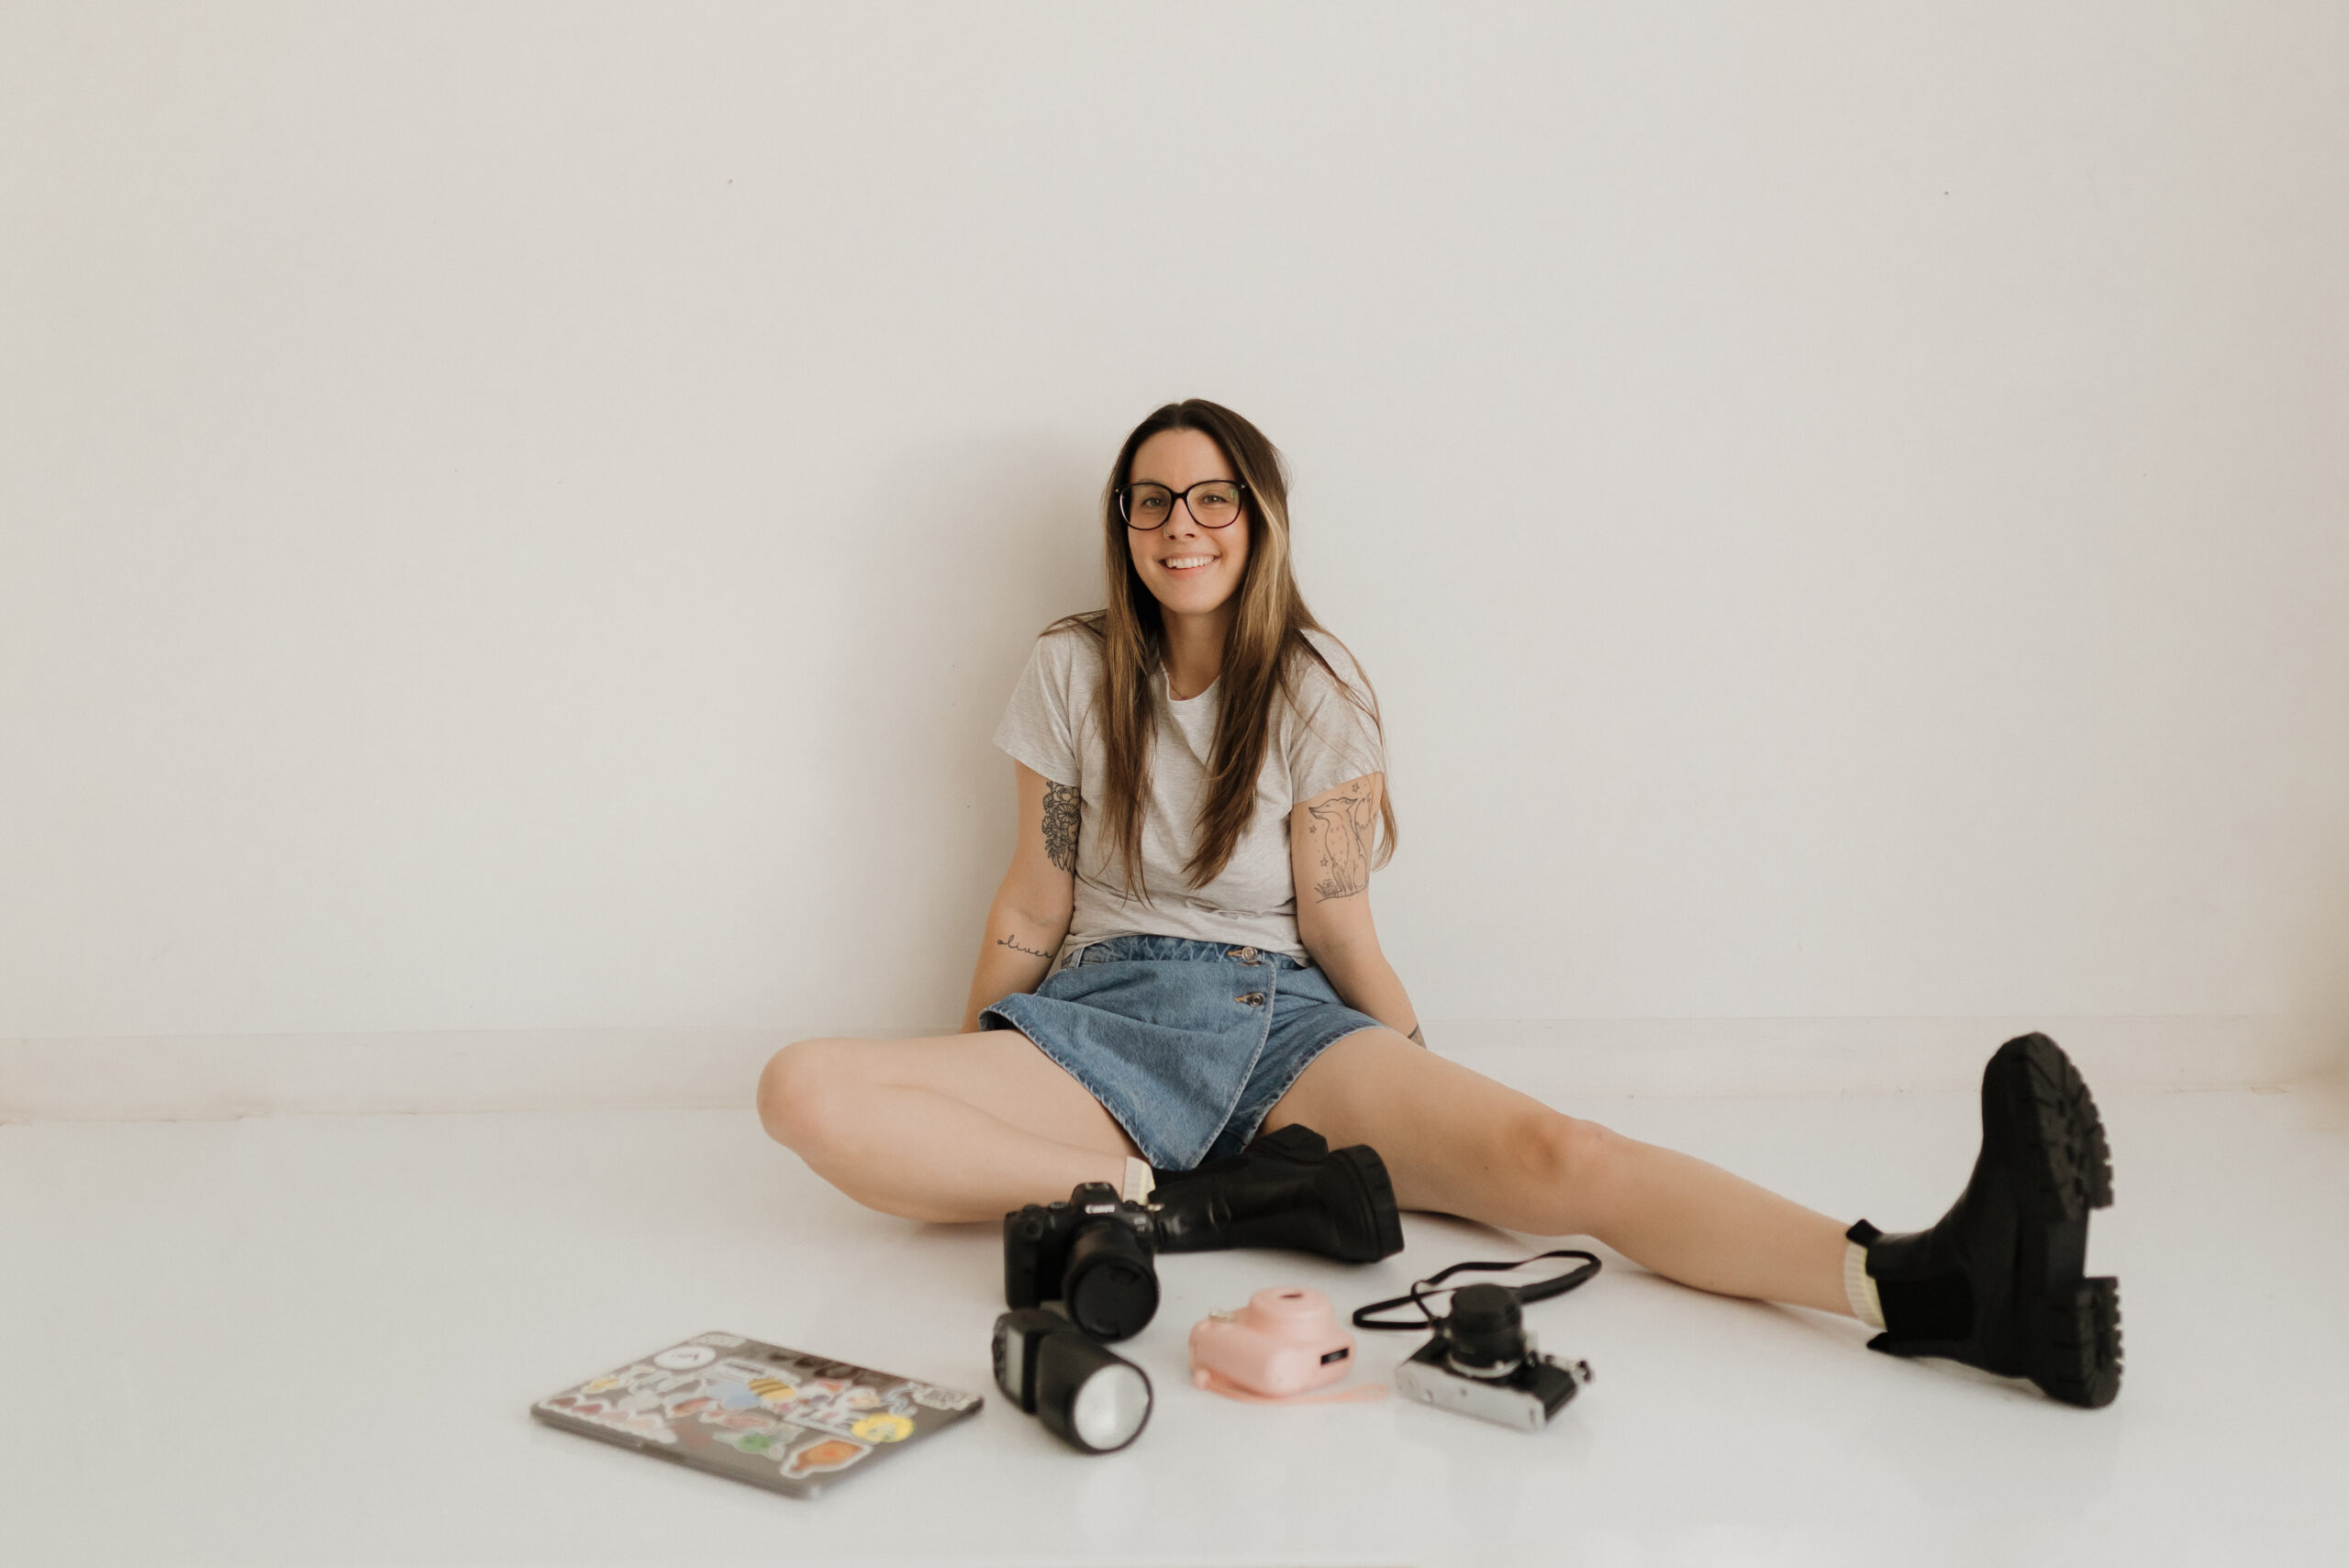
1483 1362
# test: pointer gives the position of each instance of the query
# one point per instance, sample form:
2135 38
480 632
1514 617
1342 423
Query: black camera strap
1540 1290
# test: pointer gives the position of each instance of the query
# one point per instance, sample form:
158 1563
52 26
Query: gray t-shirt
1319 742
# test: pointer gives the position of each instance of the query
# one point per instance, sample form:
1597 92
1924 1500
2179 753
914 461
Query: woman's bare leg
1458 1142
961 1127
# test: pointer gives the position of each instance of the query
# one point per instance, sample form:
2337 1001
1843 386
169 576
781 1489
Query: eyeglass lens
1211 505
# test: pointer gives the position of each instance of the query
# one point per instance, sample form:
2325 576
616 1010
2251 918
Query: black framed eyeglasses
1212 502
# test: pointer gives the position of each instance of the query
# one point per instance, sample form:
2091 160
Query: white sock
1140 1181
1858 1288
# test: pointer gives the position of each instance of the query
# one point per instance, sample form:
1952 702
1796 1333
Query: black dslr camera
1092 1253
1483 1362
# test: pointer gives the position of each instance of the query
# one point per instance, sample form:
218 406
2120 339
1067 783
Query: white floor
314 1339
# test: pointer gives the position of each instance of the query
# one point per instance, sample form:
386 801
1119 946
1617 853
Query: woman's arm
1030 912
1330 837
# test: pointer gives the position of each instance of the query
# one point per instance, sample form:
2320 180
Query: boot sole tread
2071 1341
2077 1357
2072 1164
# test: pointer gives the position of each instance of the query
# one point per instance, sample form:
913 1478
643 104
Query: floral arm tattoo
1344 826
1061 819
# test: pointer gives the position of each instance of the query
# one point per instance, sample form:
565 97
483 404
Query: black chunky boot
1997 1282
1287 1190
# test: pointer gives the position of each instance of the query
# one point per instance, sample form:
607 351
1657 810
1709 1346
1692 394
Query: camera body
1483 1362
1285 1341
1093 1254
1525 1397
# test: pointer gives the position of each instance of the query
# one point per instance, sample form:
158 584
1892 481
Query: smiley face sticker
883 1428
685 1358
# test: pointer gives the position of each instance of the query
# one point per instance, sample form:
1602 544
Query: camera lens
1089 1397
1485 1335
1110 1288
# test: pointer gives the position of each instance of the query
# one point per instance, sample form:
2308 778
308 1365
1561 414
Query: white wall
525 516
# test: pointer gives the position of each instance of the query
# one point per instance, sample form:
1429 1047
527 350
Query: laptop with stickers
779 1419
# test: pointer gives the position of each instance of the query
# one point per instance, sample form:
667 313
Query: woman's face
1189 569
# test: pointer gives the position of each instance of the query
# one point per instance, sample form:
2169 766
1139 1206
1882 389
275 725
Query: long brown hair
1261 654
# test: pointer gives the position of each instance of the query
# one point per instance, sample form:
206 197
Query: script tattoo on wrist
1062 816
1011 942
1344 826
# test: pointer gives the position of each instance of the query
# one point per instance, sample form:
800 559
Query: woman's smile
1193 571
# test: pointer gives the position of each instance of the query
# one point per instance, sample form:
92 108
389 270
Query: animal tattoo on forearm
1344 826
1061 819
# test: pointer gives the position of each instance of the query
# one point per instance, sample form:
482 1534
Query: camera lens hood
1111 1289
1484 1334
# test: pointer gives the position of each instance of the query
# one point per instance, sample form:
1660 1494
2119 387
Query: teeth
1181 560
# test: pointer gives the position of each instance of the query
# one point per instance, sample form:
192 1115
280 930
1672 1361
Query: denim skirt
1188 1044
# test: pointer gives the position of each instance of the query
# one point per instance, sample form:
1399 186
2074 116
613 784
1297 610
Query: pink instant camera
1285 1341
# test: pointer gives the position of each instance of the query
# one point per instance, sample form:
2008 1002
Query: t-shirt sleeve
1331 736
1038 727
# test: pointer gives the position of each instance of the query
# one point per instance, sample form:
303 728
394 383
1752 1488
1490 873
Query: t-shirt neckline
1166 682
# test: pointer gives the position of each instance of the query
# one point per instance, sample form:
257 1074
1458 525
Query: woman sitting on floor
1181 958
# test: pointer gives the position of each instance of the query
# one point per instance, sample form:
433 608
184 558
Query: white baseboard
1894 1056
195 1078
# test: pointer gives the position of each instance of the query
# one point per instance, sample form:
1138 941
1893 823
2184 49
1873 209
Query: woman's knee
1570 1162
801 1090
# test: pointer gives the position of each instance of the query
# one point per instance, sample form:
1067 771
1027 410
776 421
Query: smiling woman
1181 958
1191 610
